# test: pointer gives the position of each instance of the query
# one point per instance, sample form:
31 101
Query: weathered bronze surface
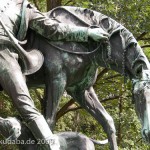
16 17
72 66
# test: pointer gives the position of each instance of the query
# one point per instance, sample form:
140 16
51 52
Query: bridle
70 52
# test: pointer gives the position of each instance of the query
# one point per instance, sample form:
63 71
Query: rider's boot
45 138
10 128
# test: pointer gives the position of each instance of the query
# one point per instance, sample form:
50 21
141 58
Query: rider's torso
10 13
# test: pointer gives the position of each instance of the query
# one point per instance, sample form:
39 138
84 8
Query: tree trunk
52 4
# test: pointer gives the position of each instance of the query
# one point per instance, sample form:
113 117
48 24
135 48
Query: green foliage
111 90
41 5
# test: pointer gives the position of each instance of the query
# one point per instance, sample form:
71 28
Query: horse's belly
36 80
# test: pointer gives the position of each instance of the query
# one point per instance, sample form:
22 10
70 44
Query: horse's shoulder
88 80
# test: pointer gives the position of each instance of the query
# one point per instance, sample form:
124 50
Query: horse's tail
99 142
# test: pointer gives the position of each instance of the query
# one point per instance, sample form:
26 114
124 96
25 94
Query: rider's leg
13 82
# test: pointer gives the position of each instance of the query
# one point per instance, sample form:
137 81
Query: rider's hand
97 34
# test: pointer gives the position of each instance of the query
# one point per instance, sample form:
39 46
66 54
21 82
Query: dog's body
67 140
78 141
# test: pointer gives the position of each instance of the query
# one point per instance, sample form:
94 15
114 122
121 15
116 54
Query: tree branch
145 46
102 73
68 2
145 39
70 106
63 110
141 35
114 76
110 98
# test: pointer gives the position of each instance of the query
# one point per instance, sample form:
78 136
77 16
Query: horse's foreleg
88 100
55 87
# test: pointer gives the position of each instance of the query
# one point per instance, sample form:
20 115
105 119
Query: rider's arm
53 30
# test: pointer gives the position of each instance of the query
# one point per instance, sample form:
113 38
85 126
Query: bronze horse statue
73 67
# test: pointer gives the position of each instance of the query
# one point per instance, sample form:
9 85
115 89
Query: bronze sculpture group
74 42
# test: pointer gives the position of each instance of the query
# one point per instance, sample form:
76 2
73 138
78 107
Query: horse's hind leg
55 86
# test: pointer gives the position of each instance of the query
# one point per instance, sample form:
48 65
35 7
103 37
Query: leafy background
114 94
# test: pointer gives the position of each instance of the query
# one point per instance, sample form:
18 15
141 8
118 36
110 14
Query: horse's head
141 97
135 64
128 58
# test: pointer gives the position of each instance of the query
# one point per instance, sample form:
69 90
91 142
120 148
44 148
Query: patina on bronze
75 73
17 16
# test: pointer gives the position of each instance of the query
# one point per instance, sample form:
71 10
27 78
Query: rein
76 53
